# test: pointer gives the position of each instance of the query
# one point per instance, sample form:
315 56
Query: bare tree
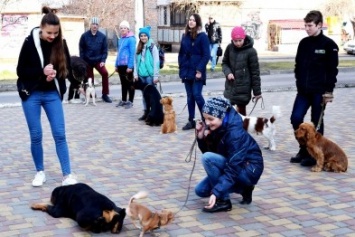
194 5
3 4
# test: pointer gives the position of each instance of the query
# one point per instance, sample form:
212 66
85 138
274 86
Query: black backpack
161 55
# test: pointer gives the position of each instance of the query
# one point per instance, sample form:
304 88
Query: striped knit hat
217 107
95 20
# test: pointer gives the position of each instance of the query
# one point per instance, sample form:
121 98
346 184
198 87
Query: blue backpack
161 55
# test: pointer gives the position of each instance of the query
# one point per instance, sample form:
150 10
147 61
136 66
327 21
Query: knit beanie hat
124 24
216 107
238 33
145 30
95 20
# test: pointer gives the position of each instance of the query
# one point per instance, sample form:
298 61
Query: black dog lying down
154 113
92 210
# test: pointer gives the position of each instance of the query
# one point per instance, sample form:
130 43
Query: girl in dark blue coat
193 58
231 157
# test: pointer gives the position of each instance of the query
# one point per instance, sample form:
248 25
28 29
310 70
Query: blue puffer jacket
244 157
193 56
93 48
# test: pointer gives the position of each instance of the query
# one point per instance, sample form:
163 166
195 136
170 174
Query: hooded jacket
243 63
239 148
316 64
126 51
193 56
31 63
214 32
93 48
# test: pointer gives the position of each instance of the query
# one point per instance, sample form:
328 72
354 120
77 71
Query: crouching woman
231 157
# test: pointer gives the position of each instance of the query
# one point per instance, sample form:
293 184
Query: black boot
247 195
189 125
220 205
302 153
144 116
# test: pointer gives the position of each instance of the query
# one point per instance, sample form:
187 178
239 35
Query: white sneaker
68 180
39 179
75 101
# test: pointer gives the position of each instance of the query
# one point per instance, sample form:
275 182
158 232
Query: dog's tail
139 195
276 113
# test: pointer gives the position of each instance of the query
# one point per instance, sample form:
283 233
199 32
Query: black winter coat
243 63
30 69
316 64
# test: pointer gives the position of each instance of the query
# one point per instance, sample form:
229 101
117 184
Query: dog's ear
166 217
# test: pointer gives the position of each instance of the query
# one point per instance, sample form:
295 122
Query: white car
349 47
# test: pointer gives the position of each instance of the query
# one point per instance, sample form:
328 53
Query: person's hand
200 129
198 75
156 80
51 76
129 70
102 64
116 69
327 97
48 70
135 79
211 202
256 98
230 77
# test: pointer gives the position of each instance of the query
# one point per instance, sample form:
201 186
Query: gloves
327 97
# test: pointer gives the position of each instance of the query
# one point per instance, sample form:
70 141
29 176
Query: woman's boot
247 195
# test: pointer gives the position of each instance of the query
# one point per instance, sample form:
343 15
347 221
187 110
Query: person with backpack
146 62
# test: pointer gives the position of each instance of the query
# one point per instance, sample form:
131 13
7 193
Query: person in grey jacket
240 65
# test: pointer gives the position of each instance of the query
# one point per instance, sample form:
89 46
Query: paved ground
118 156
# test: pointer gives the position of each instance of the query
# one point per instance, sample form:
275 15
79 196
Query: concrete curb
10 85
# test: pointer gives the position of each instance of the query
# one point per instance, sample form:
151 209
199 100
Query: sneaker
106 99
39 179
189 125
121 103
68 180
128 105
75 101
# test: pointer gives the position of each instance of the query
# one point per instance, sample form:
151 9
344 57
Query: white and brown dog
148 221
89 91
264 126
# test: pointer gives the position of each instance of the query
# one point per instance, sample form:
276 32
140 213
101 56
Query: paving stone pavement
118 156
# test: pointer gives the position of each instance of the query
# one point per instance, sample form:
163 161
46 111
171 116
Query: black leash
111 74
255 102
187 160
321 117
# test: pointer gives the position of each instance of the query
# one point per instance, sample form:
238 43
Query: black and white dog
151 95
77 77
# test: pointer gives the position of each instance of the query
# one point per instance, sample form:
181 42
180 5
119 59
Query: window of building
165 15
180 14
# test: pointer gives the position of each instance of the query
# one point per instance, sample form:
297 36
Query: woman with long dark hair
193 59
43 66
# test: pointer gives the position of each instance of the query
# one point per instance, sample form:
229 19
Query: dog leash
187 160
111 74
160 88
320 117
262 104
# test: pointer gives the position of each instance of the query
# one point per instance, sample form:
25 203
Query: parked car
349 47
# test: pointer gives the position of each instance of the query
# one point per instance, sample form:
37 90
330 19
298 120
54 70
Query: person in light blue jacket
146 62
125 64
193 58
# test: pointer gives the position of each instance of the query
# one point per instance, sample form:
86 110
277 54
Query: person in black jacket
231 157
214 33
43 65
315 73
93 49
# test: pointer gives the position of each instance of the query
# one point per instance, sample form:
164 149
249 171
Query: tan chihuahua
148 221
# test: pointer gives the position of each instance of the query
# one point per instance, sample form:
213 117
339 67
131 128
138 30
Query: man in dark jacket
93 49
214 32
231 157
315 73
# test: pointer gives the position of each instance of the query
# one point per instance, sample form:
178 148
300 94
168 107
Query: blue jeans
52 105
194 95
301 106
148 80
213 58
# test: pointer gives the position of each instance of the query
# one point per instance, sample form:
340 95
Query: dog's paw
316 169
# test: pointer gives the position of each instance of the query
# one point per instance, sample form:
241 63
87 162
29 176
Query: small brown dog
329 156
148 220
169 124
